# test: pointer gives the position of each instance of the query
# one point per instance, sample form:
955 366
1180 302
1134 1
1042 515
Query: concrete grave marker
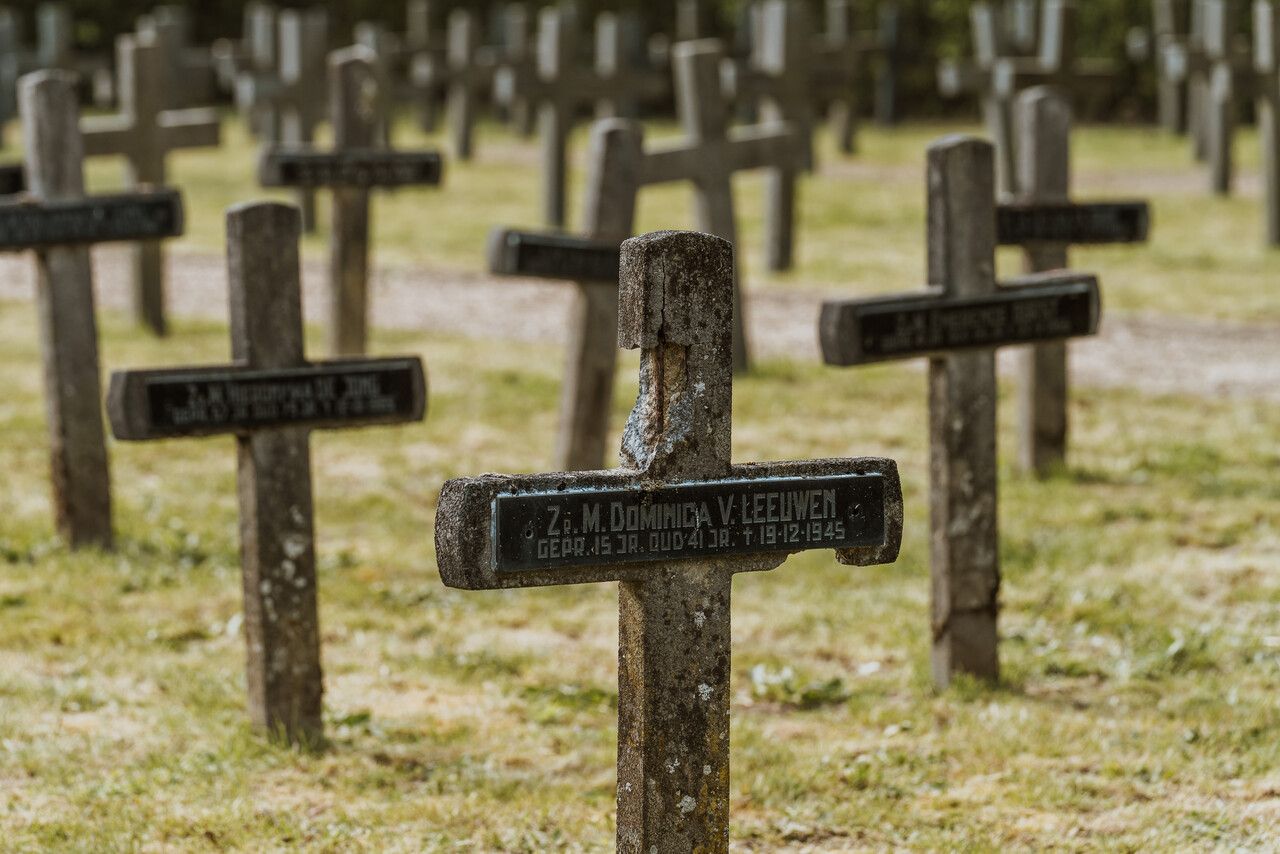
958 324
561 87
254 52
1169 26
190 69
59 222
271 399
592 264
356 165
998 77
293 98
468 77
1046 222
674 525
712 153
144 134
1266 29
1231 75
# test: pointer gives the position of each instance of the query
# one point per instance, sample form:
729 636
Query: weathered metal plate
193 402
553 256
1108 222
101 219
1036 308
360 169
701 520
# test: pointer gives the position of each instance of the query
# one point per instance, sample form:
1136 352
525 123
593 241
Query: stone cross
673 525
293 98
1045 222
1169 22
144 134
999 78
958 323
785 60
1266 30
254 52
469 76
59 222
560 88
427 58
711 154
190 70
387 53
270 399
592 264
356 165
1231 75
1184 63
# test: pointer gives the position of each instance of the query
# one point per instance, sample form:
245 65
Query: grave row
677 520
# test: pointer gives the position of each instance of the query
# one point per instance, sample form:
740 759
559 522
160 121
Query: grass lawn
1141 623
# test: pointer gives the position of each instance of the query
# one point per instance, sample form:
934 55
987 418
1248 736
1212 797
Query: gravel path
1158 354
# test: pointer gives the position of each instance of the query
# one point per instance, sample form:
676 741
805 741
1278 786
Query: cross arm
496 532
1025 310
168 403
35 224
1024 223
198 128
550 255
372 167
105 135
772 146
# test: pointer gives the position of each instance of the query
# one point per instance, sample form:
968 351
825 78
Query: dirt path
1158 354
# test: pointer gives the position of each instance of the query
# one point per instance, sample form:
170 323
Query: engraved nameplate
701 520
1108 222
554 256
360 169
194 401
102 219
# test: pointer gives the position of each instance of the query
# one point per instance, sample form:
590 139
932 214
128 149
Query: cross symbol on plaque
356 165
958 323
270 399
144 133
1045 223
674 524
59 222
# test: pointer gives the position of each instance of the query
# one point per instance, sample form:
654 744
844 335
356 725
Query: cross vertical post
962 420
68 329
277 540
353 112
1043 119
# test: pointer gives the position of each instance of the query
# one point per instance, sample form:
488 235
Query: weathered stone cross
560 88
255 51
271 399
999 78
592 264
355 166
1231 73
144 133
710 156
1045 222
1266 29
59 222
674 524
1169 21
958 323
293 99
190 70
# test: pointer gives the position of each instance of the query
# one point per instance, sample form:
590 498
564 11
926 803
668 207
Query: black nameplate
554 256
13 179
207 402
899 328
101 219
366 168
592 528
1108 222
